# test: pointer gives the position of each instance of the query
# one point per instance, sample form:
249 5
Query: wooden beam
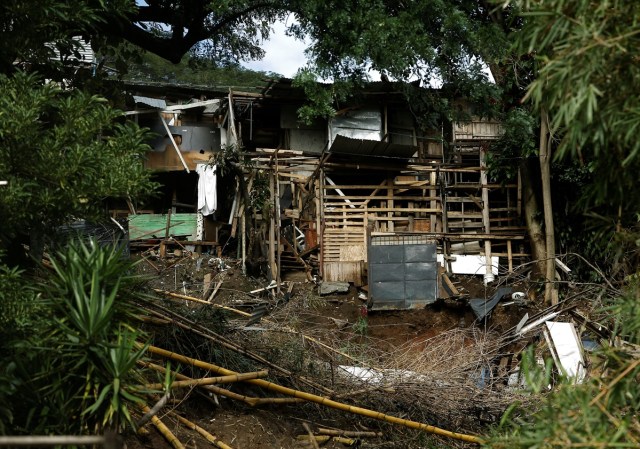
195 104
173 142
340 192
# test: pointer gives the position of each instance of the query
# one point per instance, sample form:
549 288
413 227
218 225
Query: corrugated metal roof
152 102
346 145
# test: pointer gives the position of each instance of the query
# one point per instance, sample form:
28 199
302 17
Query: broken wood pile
315 361
461 379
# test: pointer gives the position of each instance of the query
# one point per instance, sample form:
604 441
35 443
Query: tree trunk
550 293
531 210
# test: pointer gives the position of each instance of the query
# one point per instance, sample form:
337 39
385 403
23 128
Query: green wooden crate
148 226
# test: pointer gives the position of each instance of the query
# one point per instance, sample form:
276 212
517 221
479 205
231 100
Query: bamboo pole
310 436
12 441
211 388
278 226
201 301
349 433
321 400
210 438
325 438
210 380
226 393
164 430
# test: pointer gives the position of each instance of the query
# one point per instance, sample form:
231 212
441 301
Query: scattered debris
566 349
482 308
330 288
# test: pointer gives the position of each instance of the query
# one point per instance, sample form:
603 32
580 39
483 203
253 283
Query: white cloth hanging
207 196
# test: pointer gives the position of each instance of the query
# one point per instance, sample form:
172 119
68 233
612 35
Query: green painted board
148 226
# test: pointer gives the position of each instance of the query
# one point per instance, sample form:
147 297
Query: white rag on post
207 198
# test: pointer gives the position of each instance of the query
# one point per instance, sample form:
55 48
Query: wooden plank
375 218
344 272
384 197
373 187
350 253
206 285
404 209
339 192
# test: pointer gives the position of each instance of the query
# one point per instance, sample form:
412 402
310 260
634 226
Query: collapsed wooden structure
334 189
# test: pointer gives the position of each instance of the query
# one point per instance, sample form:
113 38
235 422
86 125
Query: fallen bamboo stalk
13 441
211 388
164 430
310 436
210 380
262 401
349 433
252 401
151 320
324 438
198 300
209 437
321 400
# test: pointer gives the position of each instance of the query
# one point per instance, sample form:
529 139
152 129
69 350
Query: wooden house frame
371 171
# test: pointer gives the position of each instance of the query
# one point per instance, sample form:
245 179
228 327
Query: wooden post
321 221
433 203
485 213
272 228
390 204
243 219
278 224
519 200
510 256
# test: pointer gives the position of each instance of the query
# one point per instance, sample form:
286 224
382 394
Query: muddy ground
337 319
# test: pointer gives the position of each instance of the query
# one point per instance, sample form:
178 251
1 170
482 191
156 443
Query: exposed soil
243 427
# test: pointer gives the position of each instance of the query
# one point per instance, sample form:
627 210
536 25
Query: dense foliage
587 79
68 344
196 71
63 154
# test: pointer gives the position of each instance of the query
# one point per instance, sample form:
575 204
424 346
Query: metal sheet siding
402 276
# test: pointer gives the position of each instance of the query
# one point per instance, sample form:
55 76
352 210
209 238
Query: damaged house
366 197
